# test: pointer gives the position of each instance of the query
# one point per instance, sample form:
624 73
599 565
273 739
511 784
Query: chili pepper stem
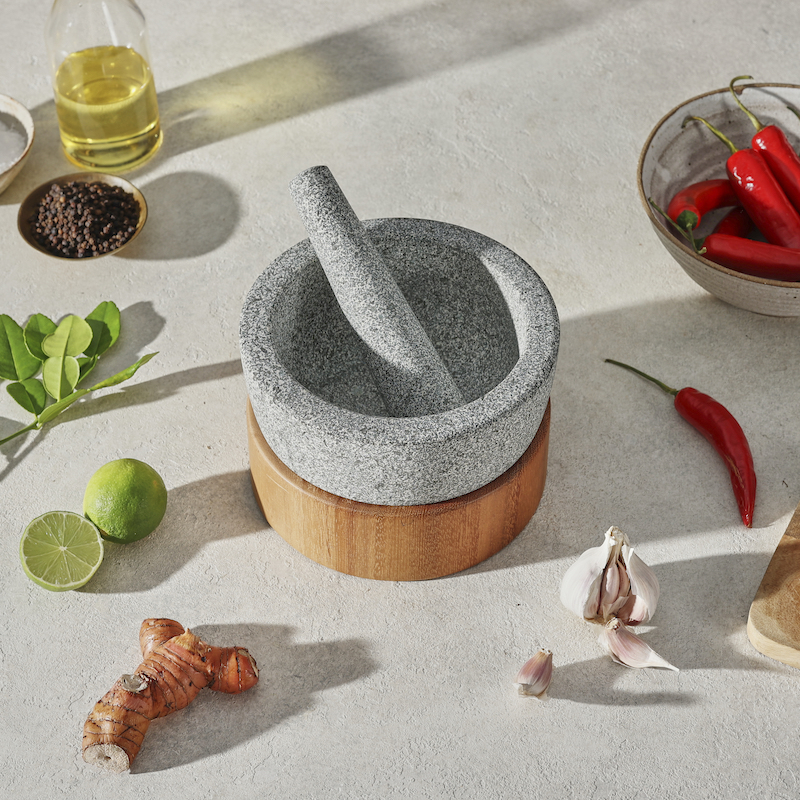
687 234
717 133
660 384
751 116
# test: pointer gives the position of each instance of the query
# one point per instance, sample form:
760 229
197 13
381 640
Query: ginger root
177 665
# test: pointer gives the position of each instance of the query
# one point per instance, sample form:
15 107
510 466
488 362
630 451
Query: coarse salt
12 141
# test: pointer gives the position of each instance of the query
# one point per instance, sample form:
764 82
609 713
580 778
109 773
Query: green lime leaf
55 409
60 376
36 328
72 336
86 366
105 323
16 362
30 394
123 375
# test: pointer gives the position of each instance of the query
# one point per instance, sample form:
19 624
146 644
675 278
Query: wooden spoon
773 625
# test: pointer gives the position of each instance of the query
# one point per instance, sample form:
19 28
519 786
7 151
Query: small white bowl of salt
16 138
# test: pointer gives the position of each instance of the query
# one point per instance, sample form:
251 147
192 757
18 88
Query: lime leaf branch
56 408
66 353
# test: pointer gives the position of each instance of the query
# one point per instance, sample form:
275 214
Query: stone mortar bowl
486 311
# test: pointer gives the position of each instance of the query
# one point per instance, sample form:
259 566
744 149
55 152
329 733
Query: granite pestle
408 371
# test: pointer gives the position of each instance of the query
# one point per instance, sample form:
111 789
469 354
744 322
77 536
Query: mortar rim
513 391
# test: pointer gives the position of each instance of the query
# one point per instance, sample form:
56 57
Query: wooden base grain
773 625
397 543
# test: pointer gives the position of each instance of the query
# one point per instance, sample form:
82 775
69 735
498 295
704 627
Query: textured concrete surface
319 406
523 121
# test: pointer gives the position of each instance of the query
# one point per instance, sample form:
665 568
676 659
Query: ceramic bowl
674 157
15 116
30 204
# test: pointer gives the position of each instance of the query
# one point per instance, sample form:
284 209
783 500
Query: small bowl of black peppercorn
84 215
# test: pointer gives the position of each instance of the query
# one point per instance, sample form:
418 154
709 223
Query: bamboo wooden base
773 625
398 543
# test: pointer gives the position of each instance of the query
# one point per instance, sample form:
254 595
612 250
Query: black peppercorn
81 220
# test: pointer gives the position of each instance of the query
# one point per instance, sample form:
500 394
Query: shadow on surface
592 683
398 49
620 453
204 511
291 675
189 214
153 390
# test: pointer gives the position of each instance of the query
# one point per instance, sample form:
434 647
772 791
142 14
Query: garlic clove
536 674
581 585
626 648
614 590
644 589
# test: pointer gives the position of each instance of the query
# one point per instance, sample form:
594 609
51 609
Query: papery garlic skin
581 584
536 674
626 648
611 581
644 589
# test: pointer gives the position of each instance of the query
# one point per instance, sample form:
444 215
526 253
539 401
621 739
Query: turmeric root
177 665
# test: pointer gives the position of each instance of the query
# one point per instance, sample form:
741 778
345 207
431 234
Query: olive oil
107 108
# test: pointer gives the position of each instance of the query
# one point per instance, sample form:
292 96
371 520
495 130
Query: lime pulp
61 550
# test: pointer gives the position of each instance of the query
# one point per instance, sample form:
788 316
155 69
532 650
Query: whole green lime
126 499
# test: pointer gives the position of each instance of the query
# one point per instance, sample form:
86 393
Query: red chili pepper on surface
760 193
773 145
690 204
718 425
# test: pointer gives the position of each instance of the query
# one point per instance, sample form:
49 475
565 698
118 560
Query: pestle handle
408 371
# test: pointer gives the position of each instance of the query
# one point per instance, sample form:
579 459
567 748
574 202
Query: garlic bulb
626 648
611 581
536 674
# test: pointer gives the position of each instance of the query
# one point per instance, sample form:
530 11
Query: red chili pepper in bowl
736 222
760 259
759 192
689 205
773 145
727 247
718 425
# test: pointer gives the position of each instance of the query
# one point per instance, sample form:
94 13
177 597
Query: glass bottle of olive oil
104 91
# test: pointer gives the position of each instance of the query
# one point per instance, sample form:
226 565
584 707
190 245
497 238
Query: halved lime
61 550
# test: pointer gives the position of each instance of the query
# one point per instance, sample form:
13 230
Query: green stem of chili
660 384
687 234
753 118
718 133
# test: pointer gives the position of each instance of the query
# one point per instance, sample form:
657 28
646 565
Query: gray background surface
520 120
